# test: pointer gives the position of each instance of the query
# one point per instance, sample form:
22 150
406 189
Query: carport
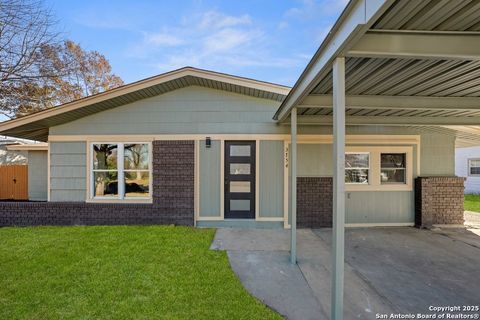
399 63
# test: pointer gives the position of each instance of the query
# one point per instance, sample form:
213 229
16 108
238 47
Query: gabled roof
36 125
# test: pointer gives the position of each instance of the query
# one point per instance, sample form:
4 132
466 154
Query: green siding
315 160
188 110
437 155
379 207
37 175
271 179
361 206
67 171
209 168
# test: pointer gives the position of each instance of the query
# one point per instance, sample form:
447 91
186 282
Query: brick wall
438 200
173 198
314 202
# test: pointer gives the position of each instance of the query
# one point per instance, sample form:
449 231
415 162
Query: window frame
359 168
470 166
375 168
391 169
120 173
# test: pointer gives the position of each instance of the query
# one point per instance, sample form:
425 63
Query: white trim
196 197
257 180
210 219
360 168
115 200
469 167
222 179
302 138
354 21
276 219
142 84
374 183
48 172
386 224
120 174
285 185
28 147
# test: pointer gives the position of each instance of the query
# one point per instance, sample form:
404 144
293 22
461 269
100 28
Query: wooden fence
14 182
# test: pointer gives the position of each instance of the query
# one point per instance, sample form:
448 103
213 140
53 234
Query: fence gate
14 182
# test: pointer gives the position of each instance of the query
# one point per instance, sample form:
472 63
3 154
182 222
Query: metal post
338 241
293 186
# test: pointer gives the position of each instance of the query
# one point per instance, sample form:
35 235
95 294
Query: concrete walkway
388 270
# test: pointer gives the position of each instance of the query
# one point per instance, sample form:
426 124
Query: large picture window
357 167
120 171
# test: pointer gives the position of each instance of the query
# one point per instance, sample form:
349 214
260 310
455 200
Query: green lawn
121 272
472 202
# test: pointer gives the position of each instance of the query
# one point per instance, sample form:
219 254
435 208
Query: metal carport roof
408 63
411 63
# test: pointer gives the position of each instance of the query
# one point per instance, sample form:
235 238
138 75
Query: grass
126 272
472 202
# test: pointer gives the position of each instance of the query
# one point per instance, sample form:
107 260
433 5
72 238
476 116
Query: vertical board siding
271 179
437 155
315 160
68 171
37 175
380 207
209 179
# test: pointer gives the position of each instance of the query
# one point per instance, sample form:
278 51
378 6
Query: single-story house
365 137
467 165
374 117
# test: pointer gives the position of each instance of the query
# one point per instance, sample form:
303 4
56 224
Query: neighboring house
197 147
8 157
467 164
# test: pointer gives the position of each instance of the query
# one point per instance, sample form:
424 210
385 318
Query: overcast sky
266 40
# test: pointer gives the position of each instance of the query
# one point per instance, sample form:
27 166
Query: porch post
338 241
293 186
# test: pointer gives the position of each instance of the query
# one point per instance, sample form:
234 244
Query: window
379 168
474 167
393 168
357 167
120 171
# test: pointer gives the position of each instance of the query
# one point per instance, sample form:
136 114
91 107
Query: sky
269 40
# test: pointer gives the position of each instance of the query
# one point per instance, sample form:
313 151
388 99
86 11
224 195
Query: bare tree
37 71
25 26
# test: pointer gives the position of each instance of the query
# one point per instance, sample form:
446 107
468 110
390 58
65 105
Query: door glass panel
240 151
239 186
240 205
239 168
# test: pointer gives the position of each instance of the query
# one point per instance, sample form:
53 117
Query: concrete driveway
388 270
